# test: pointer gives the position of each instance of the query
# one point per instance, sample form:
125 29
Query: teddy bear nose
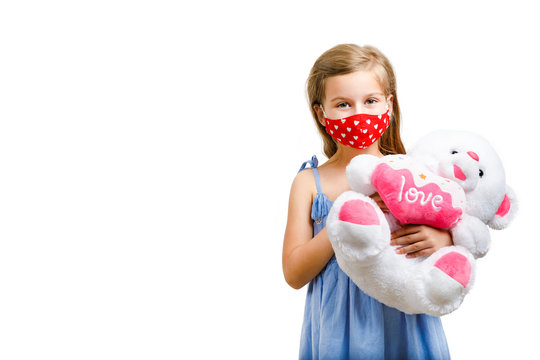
473 155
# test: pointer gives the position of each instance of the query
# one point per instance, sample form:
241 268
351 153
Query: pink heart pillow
415 195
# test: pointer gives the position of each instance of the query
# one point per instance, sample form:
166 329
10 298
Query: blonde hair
344 59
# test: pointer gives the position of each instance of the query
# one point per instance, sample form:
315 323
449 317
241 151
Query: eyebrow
338 98
345 98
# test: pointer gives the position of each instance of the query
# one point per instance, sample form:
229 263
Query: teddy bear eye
453 152
481 173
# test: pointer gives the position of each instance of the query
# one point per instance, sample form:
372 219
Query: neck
344 154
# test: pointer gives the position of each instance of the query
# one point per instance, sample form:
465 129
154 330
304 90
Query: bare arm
304 256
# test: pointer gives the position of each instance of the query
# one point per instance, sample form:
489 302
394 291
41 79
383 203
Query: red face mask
358 131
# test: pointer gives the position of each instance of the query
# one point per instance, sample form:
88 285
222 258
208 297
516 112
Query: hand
377 198
420 240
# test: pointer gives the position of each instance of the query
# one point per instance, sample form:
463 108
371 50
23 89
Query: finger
380 203
375 197
413 248
406 230
378 200
382 206
424 252
407 239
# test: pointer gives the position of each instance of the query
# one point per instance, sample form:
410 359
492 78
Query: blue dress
342 322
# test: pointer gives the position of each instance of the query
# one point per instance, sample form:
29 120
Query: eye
343 105
453 152
481 173
371 101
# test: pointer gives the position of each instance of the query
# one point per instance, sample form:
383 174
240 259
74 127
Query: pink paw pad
358 212
456 266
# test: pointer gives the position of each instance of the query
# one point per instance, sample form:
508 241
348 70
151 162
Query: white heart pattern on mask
364 129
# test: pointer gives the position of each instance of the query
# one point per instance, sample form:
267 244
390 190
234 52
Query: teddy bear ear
507 210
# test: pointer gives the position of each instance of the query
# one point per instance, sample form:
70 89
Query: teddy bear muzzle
463 168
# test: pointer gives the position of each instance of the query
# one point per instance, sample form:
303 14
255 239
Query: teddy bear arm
472 234
359 173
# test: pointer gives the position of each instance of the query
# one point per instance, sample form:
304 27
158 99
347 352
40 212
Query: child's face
355 93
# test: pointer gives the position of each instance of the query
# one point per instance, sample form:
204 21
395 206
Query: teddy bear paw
357 227
449 277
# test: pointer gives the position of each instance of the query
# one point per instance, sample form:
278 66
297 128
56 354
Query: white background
147 150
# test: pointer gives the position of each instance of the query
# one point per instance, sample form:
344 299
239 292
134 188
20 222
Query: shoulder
303 185
304 178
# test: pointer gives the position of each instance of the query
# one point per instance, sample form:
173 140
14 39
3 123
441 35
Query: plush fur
452 180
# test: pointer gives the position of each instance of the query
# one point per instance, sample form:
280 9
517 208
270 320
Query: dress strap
313 164
320 206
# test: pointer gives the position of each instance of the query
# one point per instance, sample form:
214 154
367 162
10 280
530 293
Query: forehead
353 85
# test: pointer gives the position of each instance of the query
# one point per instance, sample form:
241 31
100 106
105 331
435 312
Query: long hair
344 59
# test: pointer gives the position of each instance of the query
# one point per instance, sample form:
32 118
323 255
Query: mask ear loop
388 102
325 116
387 109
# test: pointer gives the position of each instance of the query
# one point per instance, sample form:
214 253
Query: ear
507 210
390 101
320 114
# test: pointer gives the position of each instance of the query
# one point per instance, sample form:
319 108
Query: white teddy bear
452 180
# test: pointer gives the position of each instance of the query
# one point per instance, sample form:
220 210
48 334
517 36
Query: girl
340 321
